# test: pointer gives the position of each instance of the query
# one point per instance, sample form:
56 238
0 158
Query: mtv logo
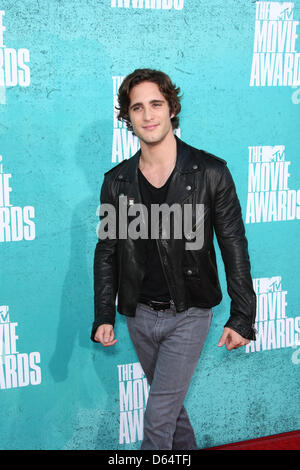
4 315
269 284
281 11
273 153
137 371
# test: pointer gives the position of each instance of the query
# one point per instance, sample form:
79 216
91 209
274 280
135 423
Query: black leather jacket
192 276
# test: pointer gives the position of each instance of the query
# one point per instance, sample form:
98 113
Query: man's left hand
232 339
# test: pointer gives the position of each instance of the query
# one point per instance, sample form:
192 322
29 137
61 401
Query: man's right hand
105 335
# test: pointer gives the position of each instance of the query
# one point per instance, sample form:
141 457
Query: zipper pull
173 306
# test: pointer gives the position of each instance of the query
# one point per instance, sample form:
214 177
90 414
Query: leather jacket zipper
163 268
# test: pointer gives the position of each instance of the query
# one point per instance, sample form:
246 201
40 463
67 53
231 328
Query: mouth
151 127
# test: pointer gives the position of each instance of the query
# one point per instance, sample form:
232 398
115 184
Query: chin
152 139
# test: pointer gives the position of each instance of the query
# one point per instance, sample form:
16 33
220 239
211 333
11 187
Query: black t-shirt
154 285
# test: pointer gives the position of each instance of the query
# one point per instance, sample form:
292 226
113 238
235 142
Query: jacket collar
186 162
183 181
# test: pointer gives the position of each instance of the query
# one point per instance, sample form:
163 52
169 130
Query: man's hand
105 335
232 339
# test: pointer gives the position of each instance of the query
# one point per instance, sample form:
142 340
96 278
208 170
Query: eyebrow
151 102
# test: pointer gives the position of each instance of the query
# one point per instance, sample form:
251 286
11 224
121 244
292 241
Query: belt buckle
152 305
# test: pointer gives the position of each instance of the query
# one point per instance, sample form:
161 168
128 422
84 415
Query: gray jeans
168 347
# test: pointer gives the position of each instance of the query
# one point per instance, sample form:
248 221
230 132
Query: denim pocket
198 312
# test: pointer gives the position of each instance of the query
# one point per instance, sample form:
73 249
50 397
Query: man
165 290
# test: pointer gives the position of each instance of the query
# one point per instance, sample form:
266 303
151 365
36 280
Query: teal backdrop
61 62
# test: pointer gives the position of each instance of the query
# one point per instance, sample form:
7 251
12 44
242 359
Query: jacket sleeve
105 272
230 233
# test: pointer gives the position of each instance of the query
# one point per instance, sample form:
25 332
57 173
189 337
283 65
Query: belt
156 305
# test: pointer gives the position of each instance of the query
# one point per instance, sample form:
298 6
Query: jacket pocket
196 239
201 279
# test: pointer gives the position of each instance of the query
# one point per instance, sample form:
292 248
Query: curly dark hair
167 88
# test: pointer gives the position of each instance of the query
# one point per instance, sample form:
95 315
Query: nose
147 113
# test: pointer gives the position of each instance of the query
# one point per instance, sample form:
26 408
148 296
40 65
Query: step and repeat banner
61 64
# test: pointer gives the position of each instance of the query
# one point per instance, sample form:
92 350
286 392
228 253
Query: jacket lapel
181 187
182 184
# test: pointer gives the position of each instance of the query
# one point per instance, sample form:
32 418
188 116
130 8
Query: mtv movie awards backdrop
61 65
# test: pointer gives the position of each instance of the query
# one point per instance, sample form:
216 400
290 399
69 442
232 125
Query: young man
165 290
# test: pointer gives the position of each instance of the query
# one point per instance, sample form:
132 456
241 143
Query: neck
162 154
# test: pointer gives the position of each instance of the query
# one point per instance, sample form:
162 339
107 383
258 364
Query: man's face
149 113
